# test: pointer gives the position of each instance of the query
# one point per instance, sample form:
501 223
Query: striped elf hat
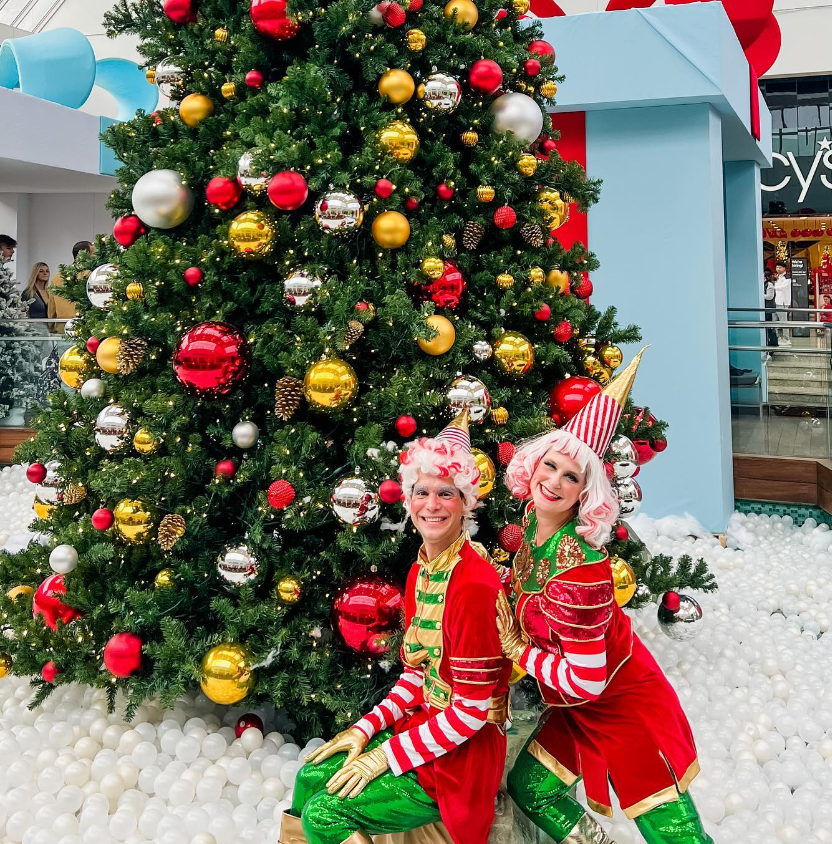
595 423
456 432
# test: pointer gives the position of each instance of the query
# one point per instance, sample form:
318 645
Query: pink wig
597 503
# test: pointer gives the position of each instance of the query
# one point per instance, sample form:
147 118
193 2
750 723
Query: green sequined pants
388 804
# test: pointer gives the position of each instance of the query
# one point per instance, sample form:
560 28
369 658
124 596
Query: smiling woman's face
436 508
556 484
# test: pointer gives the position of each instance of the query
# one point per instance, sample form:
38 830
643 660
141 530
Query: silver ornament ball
680 617
301 288
170 78
354 503
92 388
518 114
339 212
50 489
237 565
466 391
63 559
623 456
71 328
162 200
253 179
112 427
629 496
245 434
100 285
482 350
441 93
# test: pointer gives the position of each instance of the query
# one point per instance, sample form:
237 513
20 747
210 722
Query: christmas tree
341 232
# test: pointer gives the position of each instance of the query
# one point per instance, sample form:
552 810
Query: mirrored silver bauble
92 388
237 565
338 212
680 623
63 559
629 496
245 434
100 285
623 456
254 180
112 427
170 78
466 391
301 288
71 328
354 503
441 93
50 489
161 199
482 350
518 114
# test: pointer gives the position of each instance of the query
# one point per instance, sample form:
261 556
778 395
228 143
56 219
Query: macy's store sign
796 181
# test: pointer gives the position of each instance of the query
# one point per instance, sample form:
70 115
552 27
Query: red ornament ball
127 230
271 18
415 6
49 606
393 15
225 469
49 672
621 533
406 426
180 11
156 118
486 76
255 79
510 538
123 654
384 188
92 345
583 289
505 451
411 203
211 359
532 67
671 601
645 451
390 491
281 494
223 192
247 722
444 191
501 15
569 396
545 148
194 276
505 217
446 291
288 190
659 445
103 518
543 312
367 611
563 332
544 50
36 473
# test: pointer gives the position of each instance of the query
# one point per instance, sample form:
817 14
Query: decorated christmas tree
341 232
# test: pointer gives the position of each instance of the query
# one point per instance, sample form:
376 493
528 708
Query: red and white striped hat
456 432
595 423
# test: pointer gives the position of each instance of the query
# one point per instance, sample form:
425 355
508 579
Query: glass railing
780 382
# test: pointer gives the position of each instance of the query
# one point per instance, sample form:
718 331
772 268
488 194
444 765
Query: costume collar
446 558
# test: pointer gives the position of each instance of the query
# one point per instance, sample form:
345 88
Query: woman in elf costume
434 748
611 716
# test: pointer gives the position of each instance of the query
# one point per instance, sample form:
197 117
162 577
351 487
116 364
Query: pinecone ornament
354 330
288 393
532 234
130 355
472 234
171 530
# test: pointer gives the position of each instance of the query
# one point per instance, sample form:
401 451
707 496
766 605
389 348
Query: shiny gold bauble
504 281
164 579
520 7
526 165
485 193
391 230
43 509
150 75
145 441
611 356
536 275
73 367
624 580
397 85
488 473
400 140
514 353
596 369
469 138
251 234
548 89
227 675
555 207
20 591
432 268
221 34
288 590
558 279
499 415
5 664
330 385
443 341
448 241
499 555
466 13
107 354
416 40
517 674
229 90
134 521
195 108
135 291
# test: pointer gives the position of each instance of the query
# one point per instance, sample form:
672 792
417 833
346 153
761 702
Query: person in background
782 300
37 294
60 308
768 296
7 246
826 316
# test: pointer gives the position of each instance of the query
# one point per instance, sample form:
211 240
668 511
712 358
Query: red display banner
572 147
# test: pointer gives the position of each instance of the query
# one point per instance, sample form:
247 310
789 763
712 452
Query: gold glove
511 636
354 777
351 741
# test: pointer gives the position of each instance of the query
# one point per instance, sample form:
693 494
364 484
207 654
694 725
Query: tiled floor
781 436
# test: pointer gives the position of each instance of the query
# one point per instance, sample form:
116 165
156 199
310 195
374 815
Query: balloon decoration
73 367
518 114
288 190
446 290
100 285
112 427
469 392
623 580
514 353
227 673
271 18
569 396
238 565
488 473
400 140
123 654
251 235
48 605
367 612
339 212
443 341
330 385
134 521
354 503
162 199
211 359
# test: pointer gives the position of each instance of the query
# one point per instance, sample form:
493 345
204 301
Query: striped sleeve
406 694
580 671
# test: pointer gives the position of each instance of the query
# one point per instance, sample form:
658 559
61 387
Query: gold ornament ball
555 207
227 676
229 90
221 34
611 356
43 509
504 281
397 85
134 521
251 235
517 674
595 369
20 591
469 138
624 580
416 40
330 384
5 664
499 415
432 268
443 341
288 590
514 353
400 140
548 89
135 291
164 579
520 7
73 367
499 555
488 474
195 108
466 13
485 193
391 230
145 441
558 279
526 165
107 354
536 275
150 75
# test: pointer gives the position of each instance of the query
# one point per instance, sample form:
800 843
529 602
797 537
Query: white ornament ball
245 434
63 559
161 199
92 388
518 114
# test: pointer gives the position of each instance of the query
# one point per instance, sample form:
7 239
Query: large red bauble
645 451
211 359
486 76
384 188
193 276
36 473
123 654
247 722
127 230
288 190
532 67
223 192
367 612
103 518
181 11
569 396
390 491
447 290
543 49
444 191
49 606
271 18
405 426
510 538
505 217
